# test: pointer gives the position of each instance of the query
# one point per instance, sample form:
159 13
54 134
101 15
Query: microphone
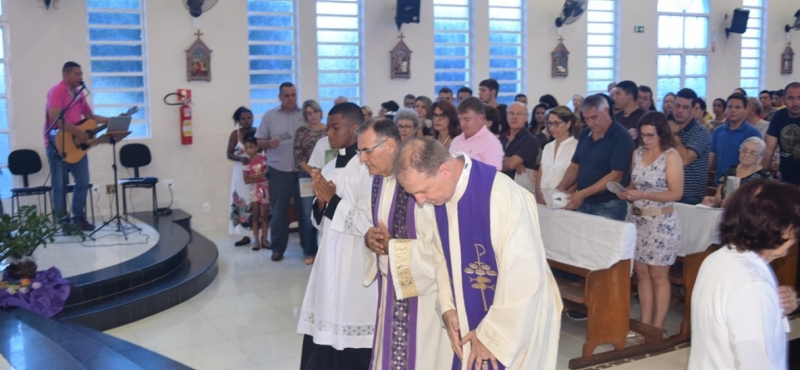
83 86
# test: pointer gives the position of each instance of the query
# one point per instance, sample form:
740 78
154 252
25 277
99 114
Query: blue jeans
615 209
308 233
59 180
283 187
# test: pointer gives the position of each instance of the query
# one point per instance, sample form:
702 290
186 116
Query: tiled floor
109 248
246 319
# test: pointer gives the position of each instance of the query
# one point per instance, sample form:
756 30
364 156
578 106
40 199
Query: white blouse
554 165
737 320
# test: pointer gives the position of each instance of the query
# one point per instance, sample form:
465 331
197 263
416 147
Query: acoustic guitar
73 151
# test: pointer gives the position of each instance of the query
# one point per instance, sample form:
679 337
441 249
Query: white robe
432 344
338 310
521 328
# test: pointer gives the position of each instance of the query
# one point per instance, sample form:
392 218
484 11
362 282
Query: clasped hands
324 189
479 357
377 239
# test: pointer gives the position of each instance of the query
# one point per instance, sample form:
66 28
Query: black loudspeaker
739 22
407 12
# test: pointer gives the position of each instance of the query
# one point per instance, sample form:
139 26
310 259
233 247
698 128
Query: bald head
427 171
517 116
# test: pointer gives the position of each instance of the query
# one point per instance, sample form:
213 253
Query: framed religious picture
560 60
787 60
400 60
198 61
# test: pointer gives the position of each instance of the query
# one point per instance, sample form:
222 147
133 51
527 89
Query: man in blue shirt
725 141
603 155
692 141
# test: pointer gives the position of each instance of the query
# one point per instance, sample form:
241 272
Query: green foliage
22 233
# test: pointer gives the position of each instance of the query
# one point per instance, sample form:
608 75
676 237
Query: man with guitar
58 98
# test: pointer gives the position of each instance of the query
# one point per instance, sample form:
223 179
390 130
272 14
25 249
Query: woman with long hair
239 220
445 122
667 103
423 107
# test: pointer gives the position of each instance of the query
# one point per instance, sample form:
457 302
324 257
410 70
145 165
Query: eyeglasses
369 150
749 152
405 127
518 114
648 136
555 123
439 116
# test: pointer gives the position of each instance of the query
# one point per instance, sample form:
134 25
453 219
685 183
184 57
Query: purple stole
478 263
399 339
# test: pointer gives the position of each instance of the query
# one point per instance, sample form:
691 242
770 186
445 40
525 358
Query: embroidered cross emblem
492 339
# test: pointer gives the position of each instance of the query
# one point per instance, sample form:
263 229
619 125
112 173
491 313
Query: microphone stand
117 217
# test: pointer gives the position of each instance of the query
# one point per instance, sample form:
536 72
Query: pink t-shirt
59 96
483 146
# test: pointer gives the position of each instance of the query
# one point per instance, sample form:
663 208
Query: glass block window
751 75
682 47
601 47
5 137
506 51
339 51
452 21
272 37
118 62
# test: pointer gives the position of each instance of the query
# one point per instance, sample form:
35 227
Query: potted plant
20 235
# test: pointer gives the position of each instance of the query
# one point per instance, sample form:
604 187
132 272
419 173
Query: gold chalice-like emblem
482 272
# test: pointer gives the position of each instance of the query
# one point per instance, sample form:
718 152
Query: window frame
7 177
470 47
684 52
615 47
508 96
325 100
762 46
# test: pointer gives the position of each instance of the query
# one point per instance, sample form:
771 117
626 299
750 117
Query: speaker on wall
407 12
739 22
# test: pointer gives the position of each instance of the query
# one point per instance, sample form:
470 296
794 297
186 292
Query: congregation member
738 310
340 100
522 98
557 154
276 135
753 117
692 141
741 91
476 140
408 331
784 134
445 94
487 93
423 108
575 103
548 100
748 169
603 155
777 99
699 111
493 121
445 123
728 138
765 97
645 98
478 217
656 182
614 108
367 112
338 312
625 99
305 139
520 147
610 87
407 122
388 109
538 126
718 108
408 101
463 93
667 103
239 221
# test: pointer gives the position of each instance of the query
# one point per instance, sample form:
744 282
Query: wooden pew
597 255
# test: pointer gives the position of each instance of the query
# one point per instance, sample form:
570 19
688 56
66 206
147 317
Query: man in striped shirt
692 140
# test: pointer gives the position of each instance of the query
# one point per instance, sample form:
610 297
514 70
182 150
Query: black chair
24 162
135 156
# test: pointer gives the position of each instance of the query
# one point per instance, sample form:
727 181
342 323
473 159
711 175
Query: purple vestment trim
478 262
400 316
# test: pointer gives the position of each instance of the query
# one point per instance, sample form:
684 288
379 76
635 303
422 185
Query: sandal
244 241
265 244
257 246
309 260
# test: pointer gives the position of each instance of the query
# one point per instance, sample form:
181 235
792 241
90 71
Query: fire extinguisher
185 98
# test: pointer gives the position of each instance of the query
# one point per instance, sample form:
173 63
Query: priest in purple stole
497 293
408 332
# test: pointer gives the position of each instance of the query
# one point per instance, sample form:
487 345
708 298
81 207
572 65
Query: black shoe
84 225
277 256
577 316
244 241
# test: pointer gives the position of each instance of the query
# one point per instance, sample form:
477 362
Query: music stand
114 138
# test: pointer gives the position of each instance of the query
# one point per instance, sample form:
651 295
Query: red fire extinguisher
185 98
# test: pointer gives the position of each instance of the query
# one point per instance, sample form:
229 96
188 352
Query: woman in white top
564 128
738 310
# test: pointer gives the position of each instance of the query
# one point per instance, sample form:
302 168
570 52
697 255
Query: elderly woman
656 182
423 107
749 168
557 154
738 310
304 140
407 122
445 122
367 112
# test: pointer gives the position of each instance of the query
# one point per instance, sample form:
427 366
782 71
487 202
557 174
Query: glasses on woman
753 153
439 116
648 136
555 123
405 127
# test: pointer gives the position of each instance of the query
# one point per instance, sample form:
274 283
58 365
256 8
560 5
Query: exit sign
638 29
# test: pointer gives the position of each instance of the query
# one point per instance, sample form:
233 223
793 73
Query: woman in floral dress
656 182
239 220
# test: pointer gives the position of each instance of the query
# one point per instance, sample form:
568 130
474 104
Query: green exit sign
638 29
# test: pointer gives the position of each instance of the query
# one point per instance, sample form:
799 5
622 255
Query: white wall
39 46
